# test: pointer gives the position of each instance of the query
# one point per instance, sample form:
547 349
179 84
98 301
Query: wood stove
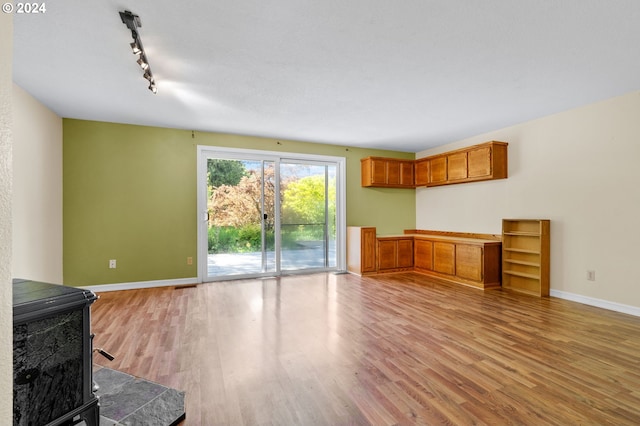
52 355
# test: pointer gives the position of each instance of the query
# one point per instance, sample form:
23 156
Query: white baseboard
140 284
605 304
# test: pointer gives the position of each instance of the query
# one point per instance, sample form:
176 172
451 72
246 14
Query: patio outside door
240 217
262 215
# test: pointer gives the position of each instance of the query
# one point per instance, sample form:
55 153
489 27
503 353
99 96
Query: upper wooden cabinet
486 161
407 173
422 172
376 172
457 166
431 171
437 170
479 162
387 172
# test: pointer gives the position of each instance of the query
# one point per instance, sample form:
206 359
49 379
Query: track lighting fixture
133 23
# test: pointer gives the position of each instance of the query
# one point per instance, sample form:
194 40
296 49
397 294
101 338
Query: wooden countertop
461 237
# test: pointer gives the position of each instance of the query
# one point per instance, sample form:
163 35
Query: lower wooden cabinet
395 254
473 262
469 262
405 253
444 258
387 254
361 250
423 254
469 259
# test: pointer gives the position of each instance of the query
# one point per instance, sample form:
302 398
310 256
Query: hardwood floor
330 349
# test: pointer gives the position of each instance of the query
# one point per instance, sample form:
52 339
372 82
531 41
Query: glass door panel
240 225
307 215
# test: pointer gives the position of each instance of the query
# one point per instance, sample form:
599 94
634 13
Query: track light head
135 48
143 63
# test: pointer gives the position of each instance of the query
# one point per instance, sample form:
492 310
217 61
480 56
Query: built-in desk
462 258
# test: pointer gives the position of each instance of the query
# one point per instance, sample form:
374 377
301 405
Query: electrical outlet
112 264
189 260
591 275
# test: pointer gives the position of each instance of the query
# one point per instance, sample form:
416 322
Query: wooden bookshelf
525 256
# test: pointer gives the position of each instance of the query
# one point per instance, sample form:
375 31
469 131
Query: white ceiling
404 75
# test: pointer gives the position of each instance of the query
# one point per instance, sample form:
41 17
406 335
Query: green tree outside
235 211
304 200
225 172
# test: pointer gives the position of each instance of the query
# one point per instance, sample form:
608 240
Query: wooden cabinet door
387 254
438 170
406 173
368 249
422 172
393 172
444 257
378 171
423 257
479 162
457 166
405 253
469 262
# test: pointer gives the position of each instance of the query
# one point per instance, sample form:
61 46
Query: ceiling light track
133 23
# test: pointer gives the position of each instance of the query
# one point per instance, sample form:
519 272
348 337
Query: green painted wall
129 193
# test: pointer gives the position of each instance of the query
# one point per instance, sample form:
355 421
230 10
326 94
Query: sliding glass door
307 215
263 214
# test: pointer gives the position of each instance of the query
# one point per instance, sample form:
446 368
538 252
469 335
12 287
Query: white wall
579 168
6 141
37 190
